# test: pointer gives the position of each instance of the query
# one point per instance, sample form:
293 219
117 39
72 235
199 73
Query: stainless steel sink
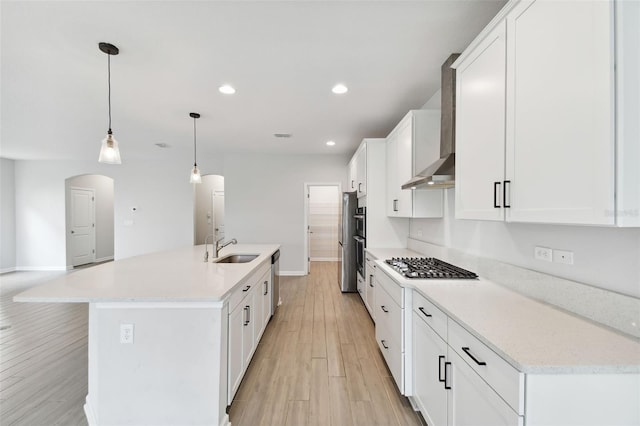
236 258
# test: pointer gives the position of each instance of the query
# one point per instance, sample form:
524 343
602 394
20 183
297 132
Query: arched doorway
208 210
89 220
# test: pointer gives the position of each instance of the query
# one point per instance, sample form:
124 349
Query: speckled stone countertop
534 337
171 276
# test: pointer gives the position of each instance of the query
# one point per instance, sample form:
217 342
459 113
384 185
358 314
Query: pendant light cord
194 141
109 80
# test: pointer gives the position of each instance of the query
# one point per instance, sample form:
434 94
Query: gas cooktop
428 268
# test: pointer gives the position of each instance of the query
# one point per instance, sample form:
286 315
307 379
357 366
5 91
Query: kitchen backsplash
615 310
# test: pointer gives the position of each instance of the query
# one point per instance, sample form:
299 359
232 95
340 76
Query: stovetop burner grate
428 268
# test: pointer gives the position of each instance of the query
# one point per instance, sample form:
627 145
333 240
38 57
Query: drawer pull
440 359
468 352
370 280
421 309
383 345
446 386
247 288
266 288
384 309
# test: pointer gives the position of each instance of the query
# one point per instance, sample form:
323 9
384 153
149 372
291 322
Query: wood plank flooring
317 363
43 356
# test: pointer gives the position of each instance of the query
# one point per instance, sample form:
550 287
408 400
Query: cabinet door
480 130
257 313
248 337
265 288
236 358
360 287
560 133
361 170
353 175
429 354
392 176
404 171
369 290
472 402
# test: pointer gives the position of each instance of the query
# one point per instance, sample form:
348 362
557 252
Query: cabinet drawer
252 280
389 314
494 370
430 314
392 351
393 288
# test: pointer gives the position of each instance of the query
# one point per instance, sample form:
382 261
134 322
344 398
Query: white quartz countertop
534 337
171 276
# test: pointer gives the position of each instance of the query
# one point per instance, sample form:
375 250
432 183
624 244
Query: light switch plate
126 333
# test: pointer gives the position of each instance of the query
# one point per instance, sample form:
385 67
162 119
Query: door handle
359 185
247 288
395 205
421 309
370 280
495 195
440 359
266 288
383 345
504 194
446 386
476 360
384 309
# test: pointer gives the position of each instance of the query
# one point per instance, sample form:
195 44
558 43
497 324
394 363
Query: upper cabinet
353 178
361 170
416 136
538 130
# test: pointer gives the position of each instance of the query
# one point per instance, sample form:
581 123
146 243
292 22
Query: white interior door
324 209
83 231
218 214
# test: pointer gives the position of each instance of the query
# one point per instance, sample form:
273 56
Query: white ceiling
282 58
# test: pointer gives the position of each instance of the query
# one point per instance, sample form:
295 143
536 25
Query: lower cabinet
389 314
471 401
447 389
369 300
249 313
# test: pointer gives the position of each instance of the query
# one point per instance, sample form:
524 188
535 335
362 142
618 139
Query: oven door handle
358 239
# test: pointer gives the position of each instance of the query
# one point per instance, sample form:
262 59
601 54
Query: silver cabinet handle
384 309
266 287
383 345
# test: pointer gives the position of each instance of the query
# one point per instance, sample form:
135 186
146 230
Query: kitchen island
158 333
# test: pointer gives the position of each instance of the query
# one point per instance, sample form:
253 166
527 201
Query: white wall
264 199
608 258
158 187
103 187
7 216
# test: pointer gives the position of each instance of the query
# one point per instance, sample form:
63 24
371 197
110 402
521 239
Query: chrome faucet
223 245
206 252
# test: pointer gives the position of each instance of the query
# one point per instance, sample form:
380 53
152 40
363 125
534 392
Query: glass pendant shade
195 175
109 151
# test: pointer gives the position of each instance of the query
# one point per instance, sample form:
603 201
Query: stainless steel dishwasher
275 281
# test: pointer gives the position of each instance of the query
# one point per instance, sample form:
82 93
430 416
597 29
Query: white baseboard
292 273
103 259
7 270
40 268
225 421
91 418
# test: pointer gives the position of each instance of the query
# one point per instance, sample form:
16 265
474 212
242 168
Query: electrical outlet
563 256
543 253
126 333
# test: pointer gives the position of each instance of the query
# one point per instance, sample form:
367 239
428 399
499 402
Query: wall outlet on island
563 256
126 333
543 253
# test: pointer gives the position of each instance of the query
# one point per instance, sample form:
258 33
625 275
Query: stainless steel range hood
442 173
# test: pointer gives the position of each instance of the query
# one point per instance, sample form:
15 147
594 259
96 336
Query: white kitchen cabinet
370 272
429 353
249 313
389 313
550 98
472 402
353 175
480 127
360 286
361 170
405 140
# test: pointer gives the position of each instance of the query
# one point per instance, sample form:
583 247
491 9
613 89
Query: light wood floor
317 363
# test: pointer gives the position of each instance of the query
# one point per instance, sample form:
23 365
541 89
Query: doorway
322 211
208 209
89 220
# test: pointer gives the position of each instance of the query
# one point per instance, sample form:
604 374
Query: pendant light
109 151
195 173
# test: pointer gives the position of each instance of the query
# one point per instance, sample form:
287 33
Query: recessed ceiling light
162 145
330 143
282 135
339 89
227 89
